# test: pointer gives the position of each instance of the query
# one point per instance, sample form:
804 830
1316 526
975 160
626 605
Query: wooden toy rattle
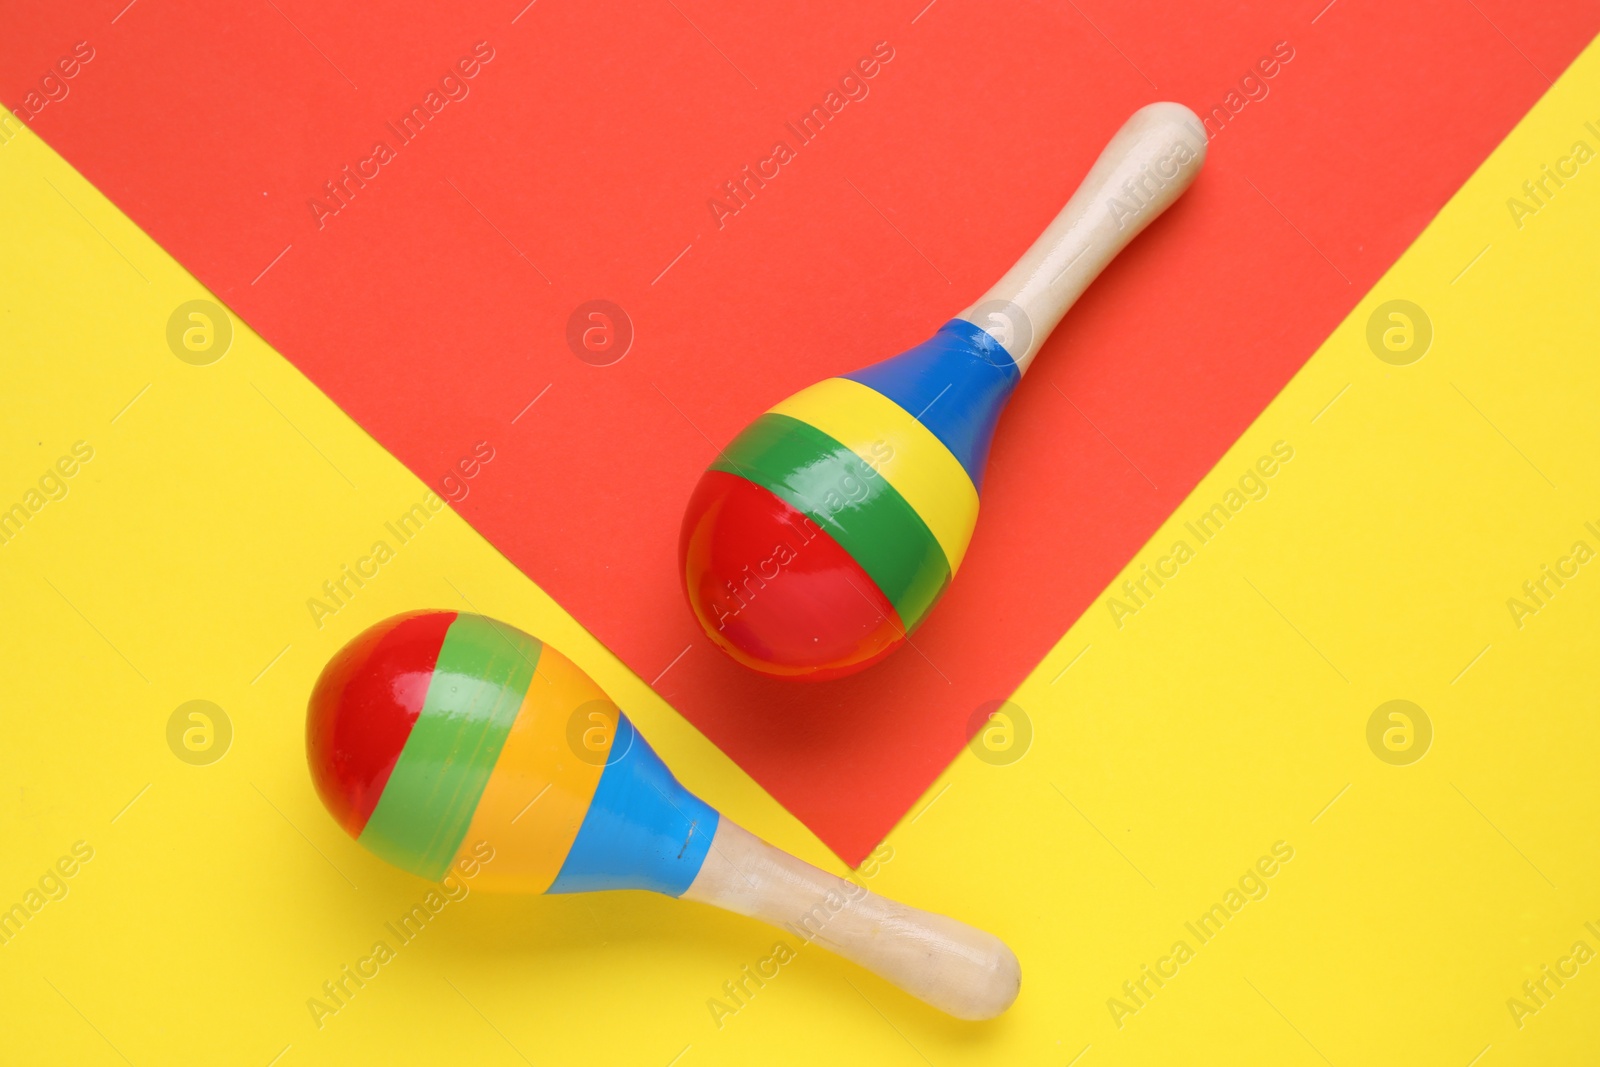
824 533
437 736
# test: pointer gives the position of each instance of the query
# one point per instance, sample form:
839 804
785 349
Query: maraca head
826 531
437 737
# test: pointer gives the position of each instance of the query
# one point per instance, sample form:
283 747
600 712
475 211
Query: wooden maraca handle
1147 165
957 969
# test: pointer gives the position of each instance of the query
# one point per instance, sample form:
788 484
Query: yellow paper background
1167 755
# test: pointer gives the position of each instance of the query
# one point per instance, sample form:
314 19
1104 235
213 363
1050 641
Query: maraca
435 736
826 531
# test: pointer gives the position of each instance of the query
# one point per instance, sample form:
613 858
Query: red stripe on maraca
363 708
774 590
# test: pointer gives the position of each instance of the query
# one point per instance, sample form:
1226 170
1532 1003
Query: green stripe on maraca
477 688
854 503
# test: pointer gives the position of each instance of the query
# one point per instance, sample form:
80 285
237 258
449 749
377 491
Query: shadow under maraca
854 729
553 926
693 951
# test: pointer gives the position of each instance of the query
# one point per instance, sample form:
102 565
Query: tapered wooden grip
957 969
1146 166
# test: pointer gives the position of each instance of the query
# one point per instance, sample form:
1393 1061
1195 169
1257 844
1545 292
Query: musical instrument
825 532
437 738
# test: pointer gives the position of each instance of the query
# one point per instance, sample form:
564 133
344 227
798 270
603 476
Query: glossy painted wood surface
965 972
1146 166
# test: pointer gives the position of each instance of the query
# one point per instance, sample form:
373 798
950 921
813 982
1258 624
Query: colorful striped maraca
825 532
434 734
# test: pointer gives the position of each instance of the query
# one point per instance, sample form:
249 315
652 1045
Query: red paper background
434 307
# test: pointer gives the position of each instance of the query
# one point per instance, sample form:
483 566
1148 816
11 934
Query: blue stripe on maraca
642 830
955 383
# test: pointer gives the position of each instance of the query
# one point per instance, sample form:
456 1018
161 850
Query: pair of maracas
815 542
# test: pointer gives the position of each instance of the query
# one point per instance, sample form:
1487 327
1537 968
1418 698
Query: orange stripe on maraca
546 775
477 689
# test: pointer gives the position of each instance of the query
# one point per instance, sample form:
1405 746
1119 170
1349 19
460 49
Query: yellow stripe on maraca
541 759
897 446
